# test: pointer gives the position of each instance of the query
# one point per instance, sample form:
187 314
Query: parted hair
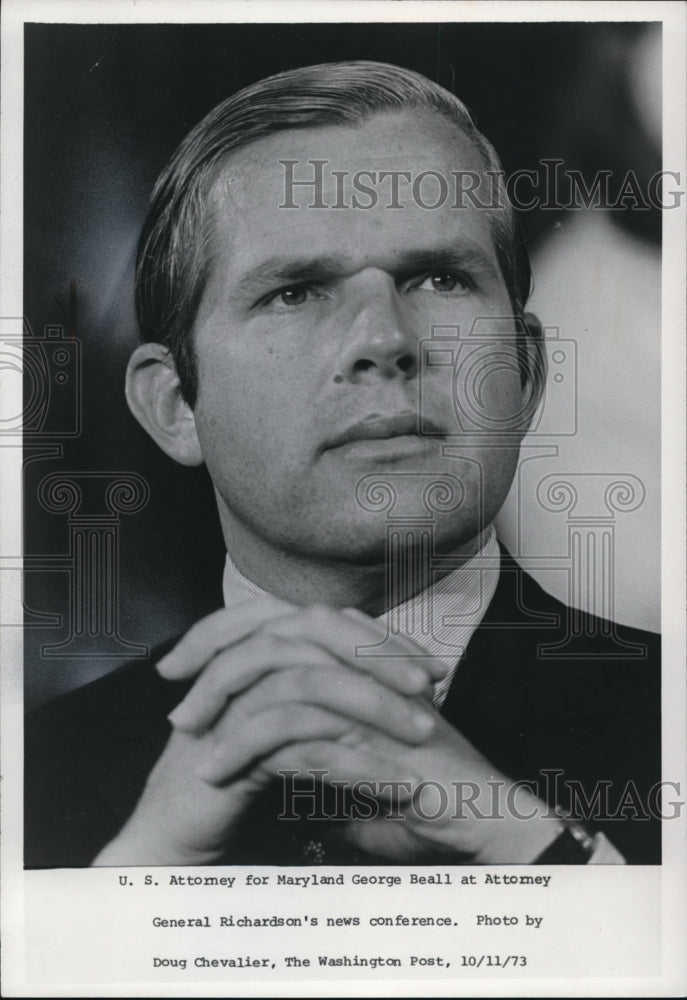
175 249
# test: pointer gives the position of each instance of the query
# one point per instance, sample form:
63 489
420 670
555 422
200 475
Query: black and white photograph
344 461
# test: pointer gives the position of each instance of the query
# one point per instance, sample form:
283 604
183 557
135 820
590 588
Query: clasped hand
278 687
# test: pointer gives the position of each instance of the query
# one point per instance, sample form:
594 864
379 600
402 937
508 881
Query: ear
154 396
535 363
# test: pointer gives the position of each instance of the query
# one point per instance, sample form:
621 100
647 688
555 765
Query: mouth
386 435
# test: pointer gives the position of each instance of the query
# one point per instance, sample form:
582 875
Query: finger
218 631
287 643
341 690
232 752
234 670
368 647
363 643
385 774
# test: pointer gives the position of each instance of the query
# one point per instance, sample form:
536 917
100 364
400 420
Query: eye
290 297
444 281
296 295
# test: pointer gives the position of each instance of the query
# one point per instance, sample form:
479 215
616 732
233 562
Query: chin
378 539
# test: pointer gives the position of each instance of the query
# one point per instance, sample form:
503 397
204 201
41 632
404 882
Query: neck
373 587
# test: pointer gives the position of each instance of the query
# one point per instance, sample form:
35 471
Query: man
299 258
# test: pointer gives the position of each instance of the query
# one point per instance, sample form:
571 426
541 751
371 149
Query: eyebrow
275 271
458 257
291 270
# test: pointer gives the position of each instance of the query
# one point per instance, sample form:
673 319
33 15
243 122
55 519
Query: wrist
525 829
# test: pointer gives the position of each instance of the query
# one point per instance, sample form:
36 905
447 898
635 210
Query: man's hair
175 249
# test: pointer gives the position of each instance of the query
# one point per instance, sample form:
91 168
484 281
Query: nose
379 342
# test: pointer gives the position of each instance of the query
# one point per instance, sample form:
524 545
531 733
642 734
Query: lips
377 427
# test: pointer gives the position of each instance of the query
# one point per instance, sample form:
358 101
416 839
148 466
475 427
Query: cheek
487 392
246 368
247 422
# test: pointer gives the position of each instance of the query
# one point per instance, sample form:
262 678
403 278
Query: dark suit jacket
547 694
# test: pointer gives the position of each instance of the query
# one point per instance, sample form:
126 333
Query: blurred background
106 105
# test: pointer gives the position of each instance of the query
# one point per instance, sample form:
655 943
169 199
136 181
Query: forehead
390 137
385 183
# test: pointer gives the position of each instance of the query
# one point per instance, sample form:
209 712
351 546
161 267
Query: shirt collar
442 618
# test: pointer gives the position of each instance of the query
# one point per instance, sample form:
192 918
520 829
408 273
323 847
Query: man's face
311 376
